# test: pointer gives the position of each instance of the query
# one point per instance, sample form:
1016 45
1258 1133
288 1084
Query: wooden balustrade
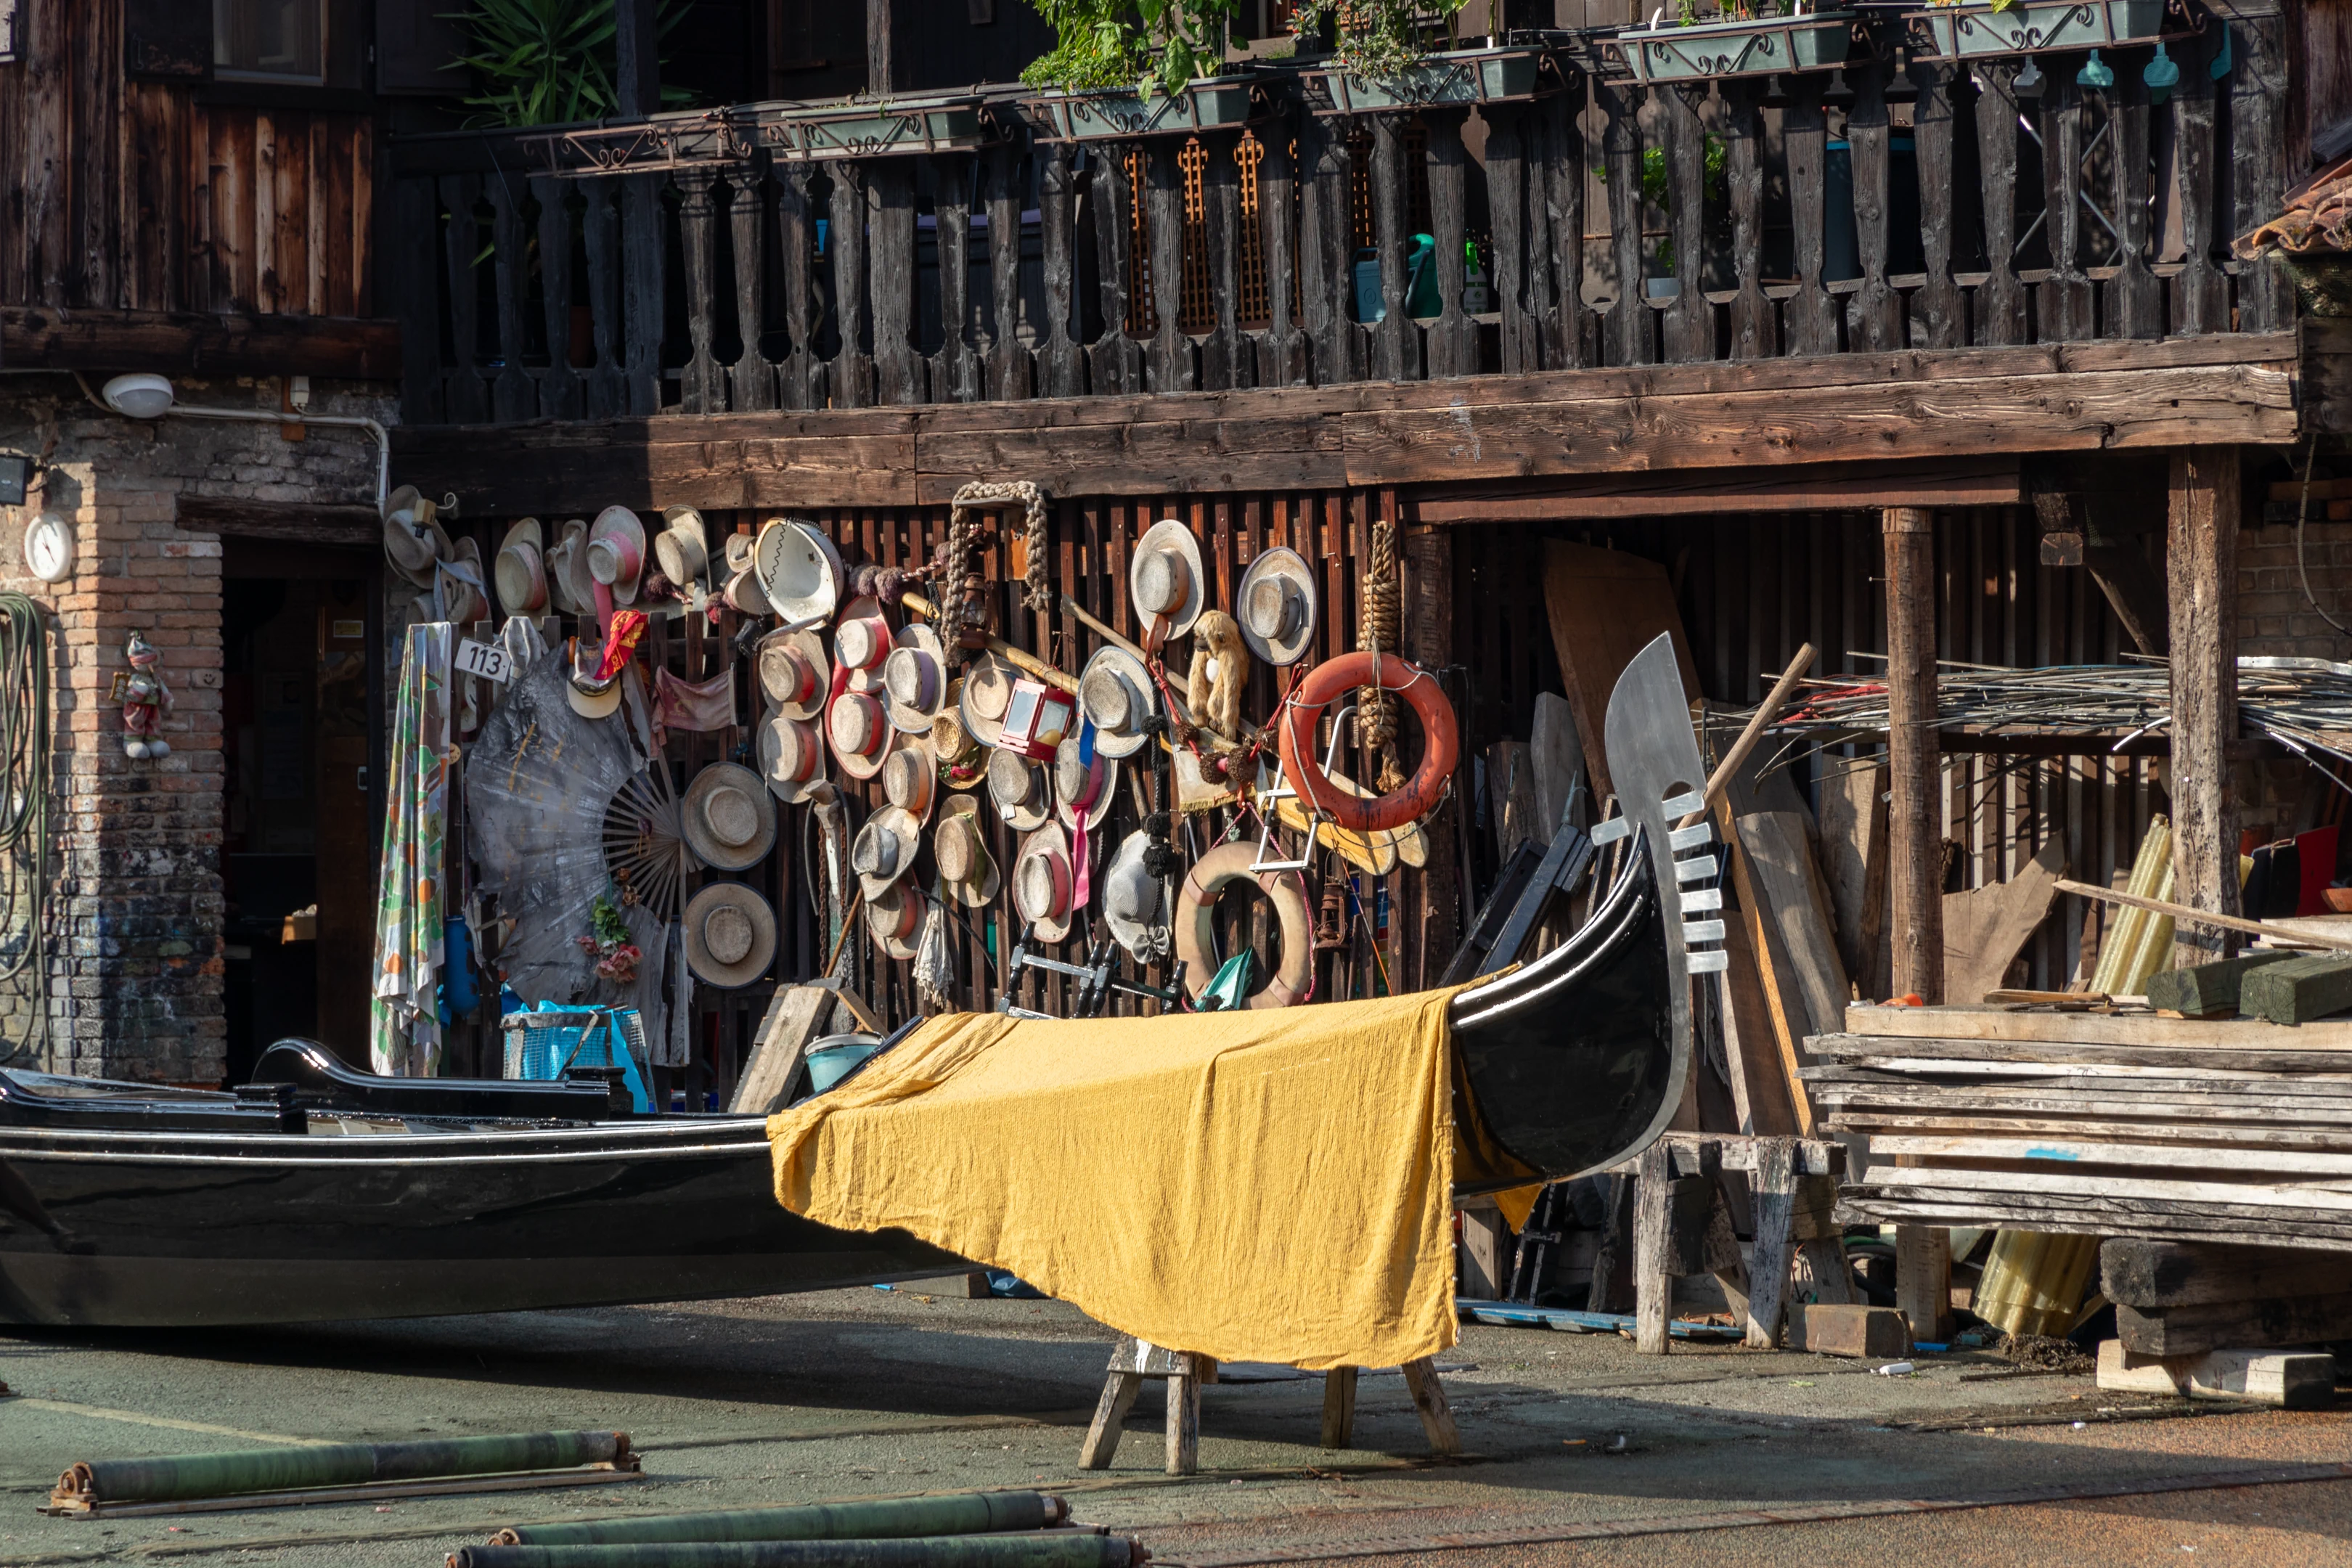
1931 206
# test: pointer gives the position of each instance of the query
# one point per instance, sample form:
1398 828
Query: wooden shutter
167 40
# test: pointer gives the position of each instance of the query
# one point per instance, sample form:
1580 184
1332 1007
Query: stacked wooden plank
2115 1123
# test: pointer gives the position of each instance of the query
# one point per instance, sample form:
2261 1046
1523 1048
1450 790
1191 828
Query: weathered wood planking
1756 415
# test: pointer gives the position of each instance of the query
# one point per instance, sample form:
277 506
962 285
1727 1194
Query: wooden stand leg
1653 1288
1184 1419
1775 1188
1612 1265
1923 1280
1120 1390
975 1285
1338 1408
1833 1275
1429 1399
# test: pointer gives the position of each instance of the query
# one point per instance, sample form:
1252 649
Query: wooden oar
1028 663
2279 930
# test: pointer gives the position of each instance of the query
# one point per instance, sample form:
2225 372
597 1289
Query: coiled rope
963 536
24 764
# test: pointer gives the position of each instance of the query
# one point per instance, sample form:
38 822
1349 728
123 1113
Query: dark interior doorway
302 728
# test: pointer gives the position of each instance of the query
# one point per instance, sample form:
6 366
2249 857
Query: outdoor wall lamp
145 396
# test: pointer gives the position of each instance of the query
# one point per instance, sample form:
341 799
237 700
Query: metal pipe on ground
971 1514
1033 1549
179 1477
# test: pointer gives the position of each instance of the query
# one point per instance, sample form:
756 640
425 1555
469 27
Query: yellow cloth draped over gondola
1254 1185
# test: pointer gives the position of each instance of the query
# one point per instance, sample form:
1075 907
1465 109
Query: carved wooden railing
702 286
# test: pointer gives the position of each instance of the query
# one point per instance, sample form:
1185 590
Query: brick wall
2274 618
135 910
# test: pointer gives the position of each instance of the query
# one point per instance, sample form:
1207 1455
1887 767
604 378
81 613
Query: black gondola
316 1193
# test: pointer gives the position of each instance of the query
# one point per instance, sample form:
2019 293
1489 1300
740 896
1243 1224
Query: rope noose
1376 722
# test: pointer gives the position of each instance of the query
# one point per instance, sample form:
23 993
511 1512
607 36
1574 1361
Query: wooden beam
2201 562
877 46
2149 1274
184 343
1915 813
1846 487
1945 407
301 522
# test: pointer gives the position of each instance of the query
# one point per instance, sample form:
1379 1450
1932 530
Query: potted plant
853 128
1122 68
1380 62
547 62
1739 42
2038 27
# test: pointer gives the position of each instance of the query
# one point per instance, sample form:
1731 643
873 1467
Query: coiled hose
24 764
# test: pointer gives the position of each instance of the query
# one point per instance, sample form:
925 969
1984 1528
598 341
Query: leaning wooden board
2093 1028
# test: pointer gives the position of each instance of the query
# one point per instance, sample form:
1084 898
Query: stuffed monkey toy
1219 669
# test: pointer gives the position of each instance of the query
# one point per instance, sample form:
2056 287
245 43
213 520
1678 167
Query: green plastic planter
1758 47
2033 26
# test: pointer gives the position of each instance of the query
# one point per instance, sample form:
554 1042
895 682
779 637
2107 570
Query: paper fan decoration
542 787
645 852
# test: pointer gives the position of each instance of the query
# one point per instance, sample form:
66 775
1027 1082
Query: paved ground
1580 1450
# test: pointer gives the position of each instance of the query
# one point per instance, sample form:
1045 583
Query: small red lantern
1035 719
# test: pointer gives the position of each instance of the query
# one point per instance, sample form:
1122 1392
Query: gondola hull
163 1229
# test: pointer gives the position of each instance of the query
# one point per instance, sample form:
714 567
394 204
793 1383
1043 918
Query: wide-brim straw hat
466 599
986 697
895 920
569 587
617 552
728 817
792 756
682 549
857 725
414 540
1165 578
861 636
590 698
520 572
1019 790
800 571
1096 783
794 672
915 674
960 846
1044 883
1276 606
963 762
1117 697
1135 903
884 850
911 777
730 933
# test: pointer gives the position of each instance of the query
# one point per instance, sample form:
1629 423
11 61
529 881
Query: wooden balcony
1892 223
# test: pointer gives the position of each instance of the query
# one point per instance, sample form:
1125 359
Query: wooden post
1923 1280
1484 1277
877 46
1429 1401
1774 1184
1119 1391
1914 816
2201 562
1653 1288
1184 1416
1338 1406
637 46
1915 850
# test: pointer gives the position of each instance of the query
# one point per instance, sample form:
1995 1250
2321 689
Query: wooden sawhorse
1135 1361
1682 1227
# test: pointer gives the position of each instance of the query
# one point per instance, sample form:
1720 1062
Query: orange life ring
1294 981
1304 773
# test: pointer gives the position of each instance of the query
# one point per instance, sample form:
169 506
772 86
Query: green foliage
548 62
605 921
1154 44
1377 38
